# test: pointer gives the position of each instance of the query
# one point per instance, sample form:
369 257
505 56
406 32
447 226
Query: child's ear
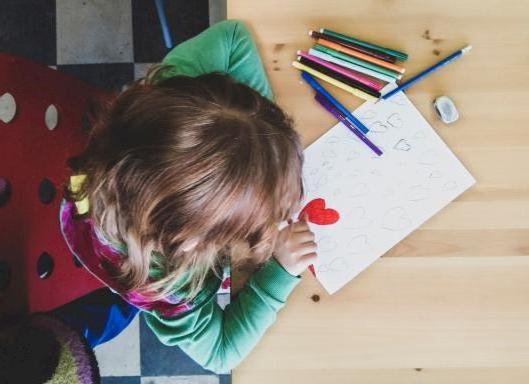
189 244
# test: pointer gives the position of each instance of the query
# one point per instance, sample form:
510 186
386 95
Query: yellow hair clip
76 181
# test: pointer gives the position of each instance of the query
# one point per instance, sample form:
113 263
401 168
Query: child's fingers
304 217
300 226
302 237
309 259
306 248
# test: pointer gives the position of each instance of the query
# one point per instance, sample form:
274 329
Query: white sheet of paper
380 199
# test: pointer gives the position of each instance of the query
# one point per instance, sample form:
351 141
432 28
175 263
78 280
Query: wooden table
451 302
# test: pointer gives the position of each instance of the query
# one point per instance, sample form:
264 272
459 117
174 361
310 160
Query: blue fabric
99 316
160 8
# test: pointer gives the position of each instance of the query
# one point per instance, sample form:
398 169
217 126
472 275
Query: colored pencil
356 47
399 55
349 65
330 80
369 82
337 76
428 71
320 89
347 123
354 60
360 55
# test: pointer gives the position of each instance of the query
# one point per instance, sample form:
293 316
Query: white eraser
446 109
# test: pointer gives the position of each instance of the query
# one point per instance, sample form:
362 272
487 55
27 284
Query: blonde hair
202 158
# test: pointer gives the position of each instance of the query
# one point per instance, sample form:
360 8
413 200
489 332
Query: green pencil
399 55
360 62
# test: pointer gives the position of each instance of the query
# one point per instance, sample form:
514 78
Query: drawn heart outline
318 214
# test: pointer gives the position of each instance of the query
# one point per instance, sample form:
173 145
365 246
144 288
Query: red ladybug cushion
37 271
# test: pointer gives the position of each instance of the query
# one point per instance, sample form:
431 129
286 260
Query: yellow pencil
330 80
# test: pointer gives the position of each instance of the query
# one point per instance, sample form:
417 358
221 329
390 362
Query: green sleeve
218 340
226 47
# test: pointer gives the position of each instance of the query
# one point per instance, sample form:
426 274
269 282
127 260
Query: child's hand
295 249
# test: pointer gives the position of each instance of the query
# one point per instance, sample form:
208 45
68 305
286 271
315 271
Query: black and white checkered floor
136 356
105 43
109 43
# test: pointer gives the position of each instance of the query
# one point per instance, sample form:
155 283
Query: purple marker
323 101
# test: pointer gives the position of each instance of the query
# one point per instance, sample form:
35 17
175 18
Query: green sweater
217 339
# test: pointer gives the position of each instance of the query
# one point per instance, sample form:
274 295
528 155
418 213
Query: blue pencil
319 89
426 72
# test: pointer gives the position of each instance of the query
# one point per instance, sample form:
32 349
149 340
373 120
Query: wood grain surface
451 302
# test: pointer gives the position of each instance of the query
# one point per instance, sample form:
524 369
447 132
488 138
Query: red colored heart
318 214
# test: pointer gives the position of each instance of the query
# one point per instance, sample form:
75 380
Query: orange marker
371 59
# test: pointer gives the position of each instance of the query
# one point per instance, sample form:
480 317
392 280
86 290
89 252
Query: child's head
190 167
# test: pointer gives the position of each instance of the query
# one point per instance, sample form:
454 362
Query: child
181 170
